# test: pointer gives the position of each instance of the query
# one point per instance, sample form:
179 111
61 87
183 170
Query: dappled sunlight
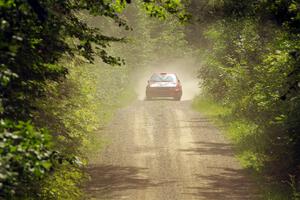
149 99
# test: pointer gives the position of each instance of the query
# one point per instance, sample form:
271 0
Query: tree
252 66
35 36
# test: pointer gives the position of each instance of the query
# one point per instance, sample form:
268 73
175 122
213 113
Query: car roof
164 73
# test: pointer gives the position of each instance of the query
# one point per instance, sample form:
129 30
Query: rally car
164 85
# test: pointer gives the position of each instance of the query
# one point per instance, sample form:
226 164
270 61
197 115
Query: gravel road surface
163 150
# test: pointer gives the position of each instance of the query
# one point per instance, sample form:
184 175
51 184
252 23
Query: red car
164 85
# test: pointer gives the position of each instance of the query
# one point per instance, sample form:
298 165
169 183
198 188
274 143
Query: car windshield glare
163 78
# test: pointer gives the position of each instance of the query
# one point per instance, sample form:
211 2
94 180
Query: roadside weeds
240 134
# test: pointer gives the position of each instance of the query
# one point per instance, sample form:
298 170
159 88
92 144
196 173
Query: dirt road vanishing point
163 150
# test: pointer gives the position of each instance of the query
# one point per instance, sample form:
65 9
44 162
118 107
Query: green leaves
35 36
24 155
26 158
7 3
252 66
161 9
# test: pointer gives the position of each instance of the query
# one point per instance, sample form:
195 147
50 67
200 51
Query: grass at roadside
95 141
117 96
77 110
248 145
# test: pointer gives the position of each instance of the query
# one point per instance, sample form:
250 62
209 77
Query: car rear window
163 77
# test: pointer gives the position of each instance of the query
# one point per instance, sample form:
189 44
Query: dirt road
163 150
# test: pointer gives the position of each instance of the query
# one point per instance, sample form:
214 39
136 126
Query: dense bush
25 157
251 66
43 95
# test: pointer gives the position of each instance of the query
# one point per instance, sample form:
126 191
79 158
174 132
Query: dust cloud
186 70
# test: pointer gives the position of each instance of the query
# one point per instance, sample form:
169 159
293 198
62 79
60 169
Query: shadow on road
109 181
231 184
201 122
209 148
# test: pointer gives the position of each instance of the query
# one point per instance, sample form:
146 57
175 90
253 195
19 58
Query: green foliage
162 9
25 157
295 192
206 106
37 85
251 75
28 58
76 110
64 184
241 132
150 40
251 65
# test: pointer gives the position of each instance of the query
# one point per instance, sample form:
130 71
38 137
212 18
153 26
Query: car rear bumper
163 92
